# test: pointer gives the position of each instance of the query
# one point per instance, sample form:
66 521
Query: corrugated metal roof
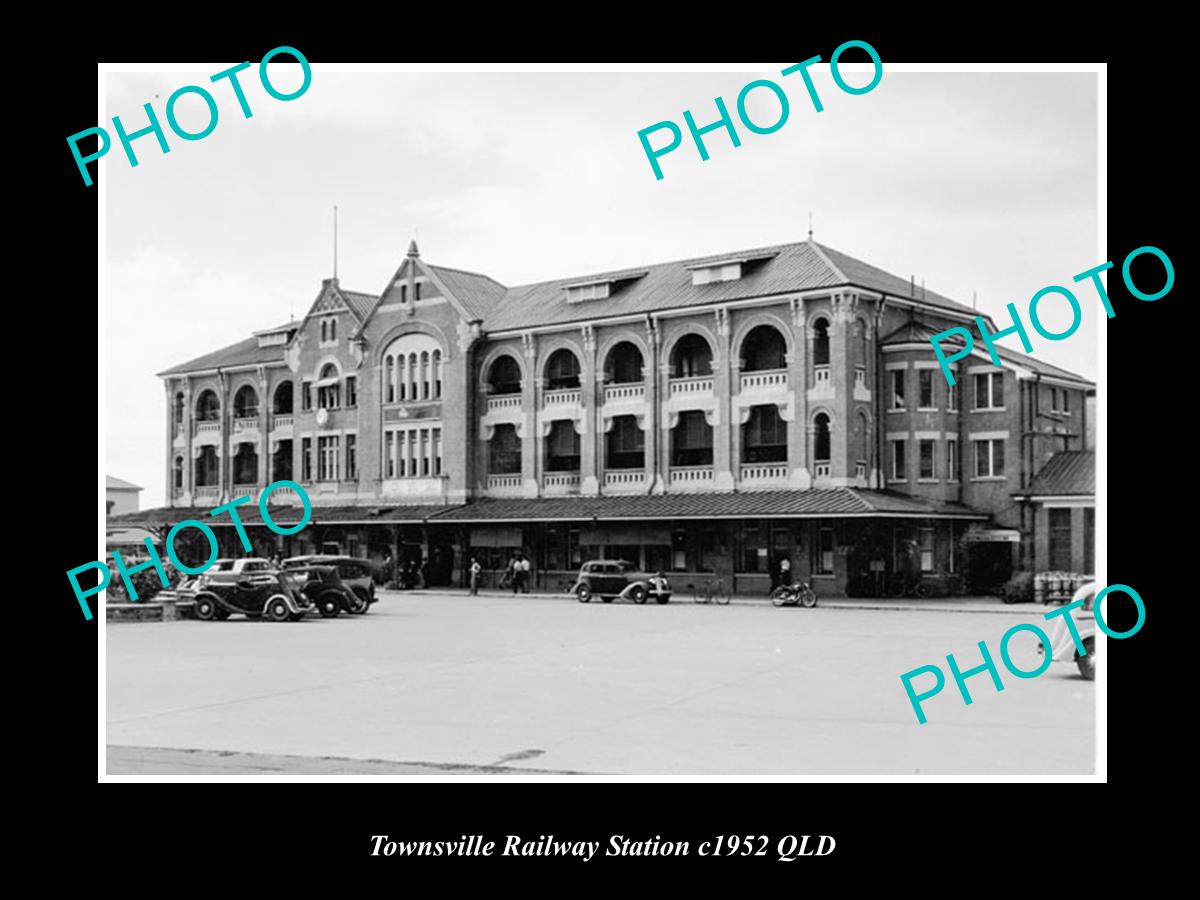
478 293
244 352
120 484
249 513
774 270
1068 473
360 303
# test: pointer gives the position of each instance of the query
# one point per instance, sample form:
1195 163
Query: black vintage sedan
323 587
355 574
218 595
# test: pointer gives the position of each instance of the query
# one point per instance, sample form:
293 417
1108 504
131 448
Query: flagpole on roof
335 240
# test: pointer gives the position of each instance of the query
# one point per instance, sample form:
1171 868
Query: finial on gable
413 252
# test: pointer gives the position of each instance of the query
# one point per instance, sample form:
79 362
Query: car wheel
663 598
278 609
637 594
205 608
329 604
583 593
1087 664
359 604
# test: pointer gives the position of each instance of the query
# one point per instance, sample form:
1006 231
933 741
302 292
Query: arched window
437 374
623 365
763 349
562 370
412 363
179 408
860 342
504 451
333 329
389 380
402 377
504 376
329 388
413 377
329 370
245 403
862 437
692 356
284 398
178 473
821 438
821 342
562 447
692 440
764 436
208 407
625 444
281 462
324 333
425 375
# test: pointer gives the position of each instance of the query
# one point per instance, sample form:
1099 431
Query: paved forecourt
445 683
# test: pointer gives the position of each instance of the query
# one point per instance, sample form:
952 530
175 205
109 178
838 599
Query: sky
981 184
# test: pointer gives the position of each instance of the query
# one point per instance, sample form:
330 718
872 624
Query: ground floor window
823 564
1060 540
926 549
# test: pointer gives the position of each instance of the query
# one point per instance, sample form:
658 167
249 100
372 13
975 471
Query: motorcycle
798 594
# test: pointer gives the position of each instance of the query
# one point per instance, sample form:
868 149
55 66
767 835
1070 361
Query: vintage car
323 588
609 578
255 594
1062 646
356 574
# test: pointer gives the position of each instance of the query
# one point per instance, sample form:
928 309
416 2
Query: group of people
517 574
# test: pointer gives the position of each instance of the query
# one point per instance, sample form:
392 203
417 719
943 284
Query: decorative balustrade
615 393
207 428
207 492
504 484
245 490
764 472
822 469
695 385
563 397
560 481
503 401
618 477
767 379
282 421
246 423
691 474
821 376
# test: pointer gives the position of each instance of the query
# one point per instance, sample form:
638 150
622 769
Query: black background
919 836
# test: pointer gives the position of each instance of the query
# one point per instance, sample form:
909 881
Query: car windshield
223 565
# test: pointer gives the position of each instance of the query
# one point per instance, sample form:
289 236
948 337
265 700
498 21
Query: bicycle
799 594
903 586
713 592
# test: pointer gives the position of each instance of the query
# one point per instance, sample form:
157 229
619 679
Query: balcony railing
764 472
283 420
860 470
246 423
207 492
245 490
822 469
614 393
207 427
821 377
503 401
702 384
619 477
563 397
560 481
504 484
682 475
767 379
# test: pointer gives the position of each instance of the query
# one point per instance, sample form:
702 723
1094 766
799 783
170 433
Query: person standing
475 569
785 572
526 568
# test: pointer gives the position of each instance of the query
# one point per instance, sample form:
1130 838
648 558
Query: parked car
255 594
323 588
1062 646
610 578
240 566
356 574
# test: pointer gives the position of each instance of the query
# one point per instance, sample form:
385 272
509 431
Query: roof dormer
599 288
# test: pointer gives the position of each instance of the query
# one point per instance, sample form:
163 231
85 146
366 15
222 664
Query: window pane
981 458
925 377
927 448
1060 540
998 457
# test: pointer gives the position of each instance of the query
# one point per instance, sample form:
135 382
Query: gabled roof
769 270
917 332
359 303
244 352
478 293
120 484
1068 473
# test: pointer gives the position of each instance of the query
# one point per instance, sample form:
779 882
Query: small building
120 496
1061 504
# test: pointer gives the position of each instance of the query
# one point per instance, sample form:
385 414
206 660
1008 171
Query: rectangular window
925 383
1060 540
437 451
897 388
306 459
402 453
952 460
351 391
328 451
952 397
412 453
1066 402
899 471
926 449
926 549
989 390
306 395
989 458
1089 540
1053 399
351 457
389 455
424 451
825 546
